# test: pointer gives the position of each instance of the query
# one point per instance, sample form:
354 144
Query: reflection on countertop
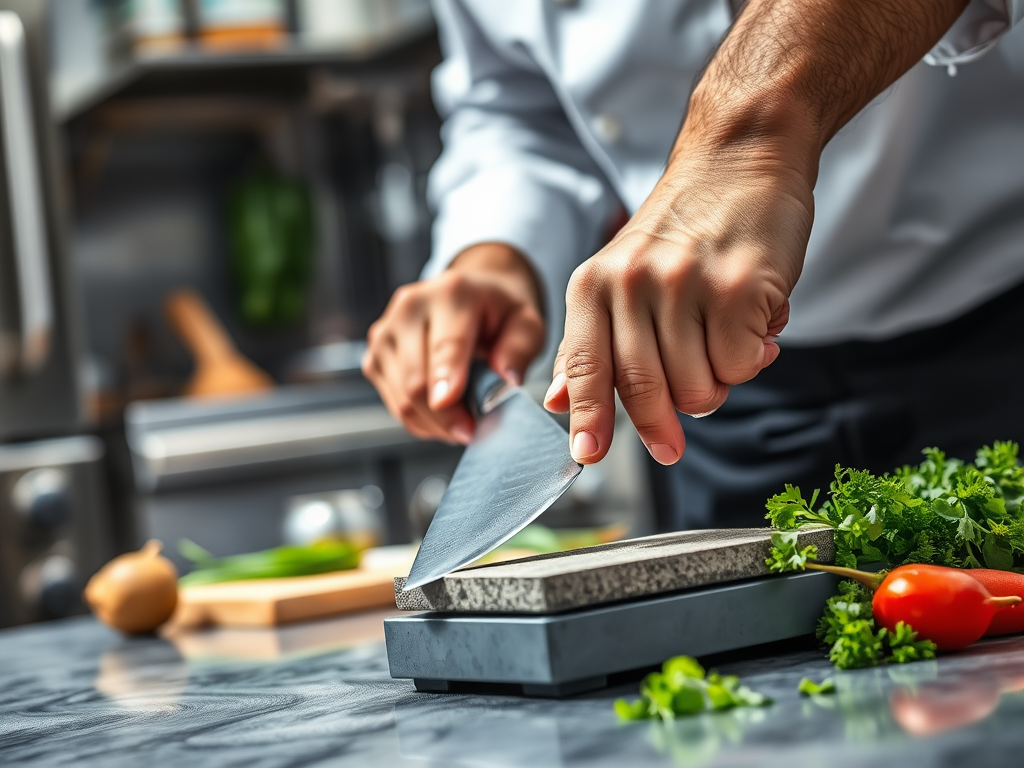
73 693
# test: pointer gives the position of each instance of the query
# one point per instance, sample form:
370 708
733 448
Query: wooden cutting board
271 602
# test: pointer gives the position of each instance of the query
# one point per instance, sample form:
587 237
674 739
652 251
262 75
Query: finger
556 399
410 389
694 390
588 370
775 327
642 385
454 326
519 340
738 326
375 367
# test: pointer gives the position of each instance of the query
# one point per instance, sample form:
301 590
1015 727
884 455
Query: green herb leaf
631 710
786 556
683 688
810 688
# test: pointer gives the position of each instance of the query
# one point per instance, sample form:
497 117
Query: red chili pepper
1008 620
944 605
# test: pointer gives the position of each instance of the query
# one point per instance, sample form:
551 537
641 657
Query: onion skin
135 593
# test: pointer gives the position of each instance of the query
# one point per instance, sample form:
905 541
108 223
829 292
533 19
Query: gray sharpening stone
568 653
624 570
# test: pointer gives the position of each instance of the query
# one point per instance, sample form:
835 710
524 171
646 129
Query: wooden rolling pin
220 368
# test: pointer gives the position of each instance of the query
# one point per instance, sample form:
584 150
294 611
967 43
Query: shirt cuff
542 223
975 32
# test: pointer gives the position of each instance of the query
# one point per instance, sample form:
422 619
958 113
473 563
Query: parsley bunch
683 688
941 512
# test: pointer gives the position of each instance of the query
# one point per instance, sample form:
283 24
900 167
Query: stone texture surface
608 573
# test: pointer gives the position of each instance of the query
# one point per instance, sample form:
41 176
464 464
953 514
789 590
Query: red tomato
944 605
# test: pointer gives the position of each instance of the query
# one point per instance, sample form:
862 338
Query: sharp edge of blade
410 584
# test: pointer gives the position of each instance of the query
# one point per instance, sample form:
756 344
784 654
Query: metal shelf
71 101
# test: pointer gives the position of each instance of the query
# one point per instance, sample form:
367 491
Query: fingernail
702 415
462 434
584 445
440 391
513 377
556 384
663 453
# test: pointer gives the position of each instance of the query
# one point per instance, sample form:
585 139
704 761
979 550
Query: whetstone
608 573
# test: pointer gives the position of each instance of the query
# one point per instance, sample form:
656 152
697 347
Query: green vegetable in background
683 688
810 688
272 231
322 557
941 512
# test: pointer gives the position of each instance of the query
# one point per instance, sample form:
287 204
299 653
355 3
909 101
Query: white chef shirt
556 111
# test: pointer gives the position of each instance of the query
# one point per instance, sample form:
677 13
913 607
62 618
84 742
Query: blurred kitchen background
193 192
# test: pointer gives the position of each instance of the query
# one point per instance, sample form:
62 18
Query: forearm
796 71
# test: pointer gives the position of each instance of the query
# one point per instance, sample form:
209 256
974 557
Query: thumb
519 340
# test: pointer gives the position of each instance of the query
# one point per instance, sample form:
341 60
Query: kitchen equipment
516 466
54 517
270 602
220 369
557 625
54 526
38 351
622 570
225 473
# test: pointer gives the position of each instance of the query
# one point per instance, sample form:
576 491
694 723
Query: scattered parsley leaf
810 688
683 688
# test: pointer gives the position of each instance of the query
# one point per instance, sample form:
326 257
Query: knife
515 467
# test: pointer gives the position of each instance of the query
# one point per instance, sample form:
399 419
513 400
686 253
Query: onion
136 592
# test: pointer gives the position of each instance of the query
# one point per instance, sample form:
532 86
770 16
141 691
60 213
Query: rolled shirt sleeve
512 170
975 32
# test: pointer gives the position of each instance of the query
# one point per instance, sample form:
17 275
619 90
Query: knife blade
515 467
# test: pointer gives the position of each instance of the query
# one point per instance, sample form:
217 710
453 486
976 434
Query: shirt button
607 128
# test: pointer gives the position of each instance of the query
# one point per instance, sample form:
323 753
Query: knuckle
638 386
583 365
583 282
447 347
696 400
452 283
405 299
405 410
416 388
734 281
678 274
585 408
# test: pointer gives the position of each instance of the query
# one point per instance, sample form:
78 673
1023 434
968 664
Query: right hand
486 304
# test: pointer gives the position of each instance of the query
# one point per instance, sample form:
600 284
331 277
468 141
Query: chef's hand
486 304
688 298
685 301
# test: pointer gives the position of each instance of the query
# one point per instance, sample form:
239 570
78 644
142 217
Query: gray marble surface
623 570
75 694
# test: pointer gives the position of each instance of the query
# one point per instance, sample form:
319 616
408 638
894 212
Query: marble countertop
74 693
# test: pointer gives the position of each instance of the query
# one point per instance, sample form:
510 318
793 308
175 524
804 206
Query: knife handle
483 382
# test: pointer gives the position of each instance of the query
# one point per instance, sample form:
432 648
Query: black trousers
867 405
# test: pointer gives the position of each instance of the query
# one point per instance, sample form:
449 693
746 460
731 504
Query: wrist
501 261
751 129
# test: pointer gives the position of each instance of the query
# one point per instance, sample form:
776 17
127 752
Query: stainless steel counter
73 693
